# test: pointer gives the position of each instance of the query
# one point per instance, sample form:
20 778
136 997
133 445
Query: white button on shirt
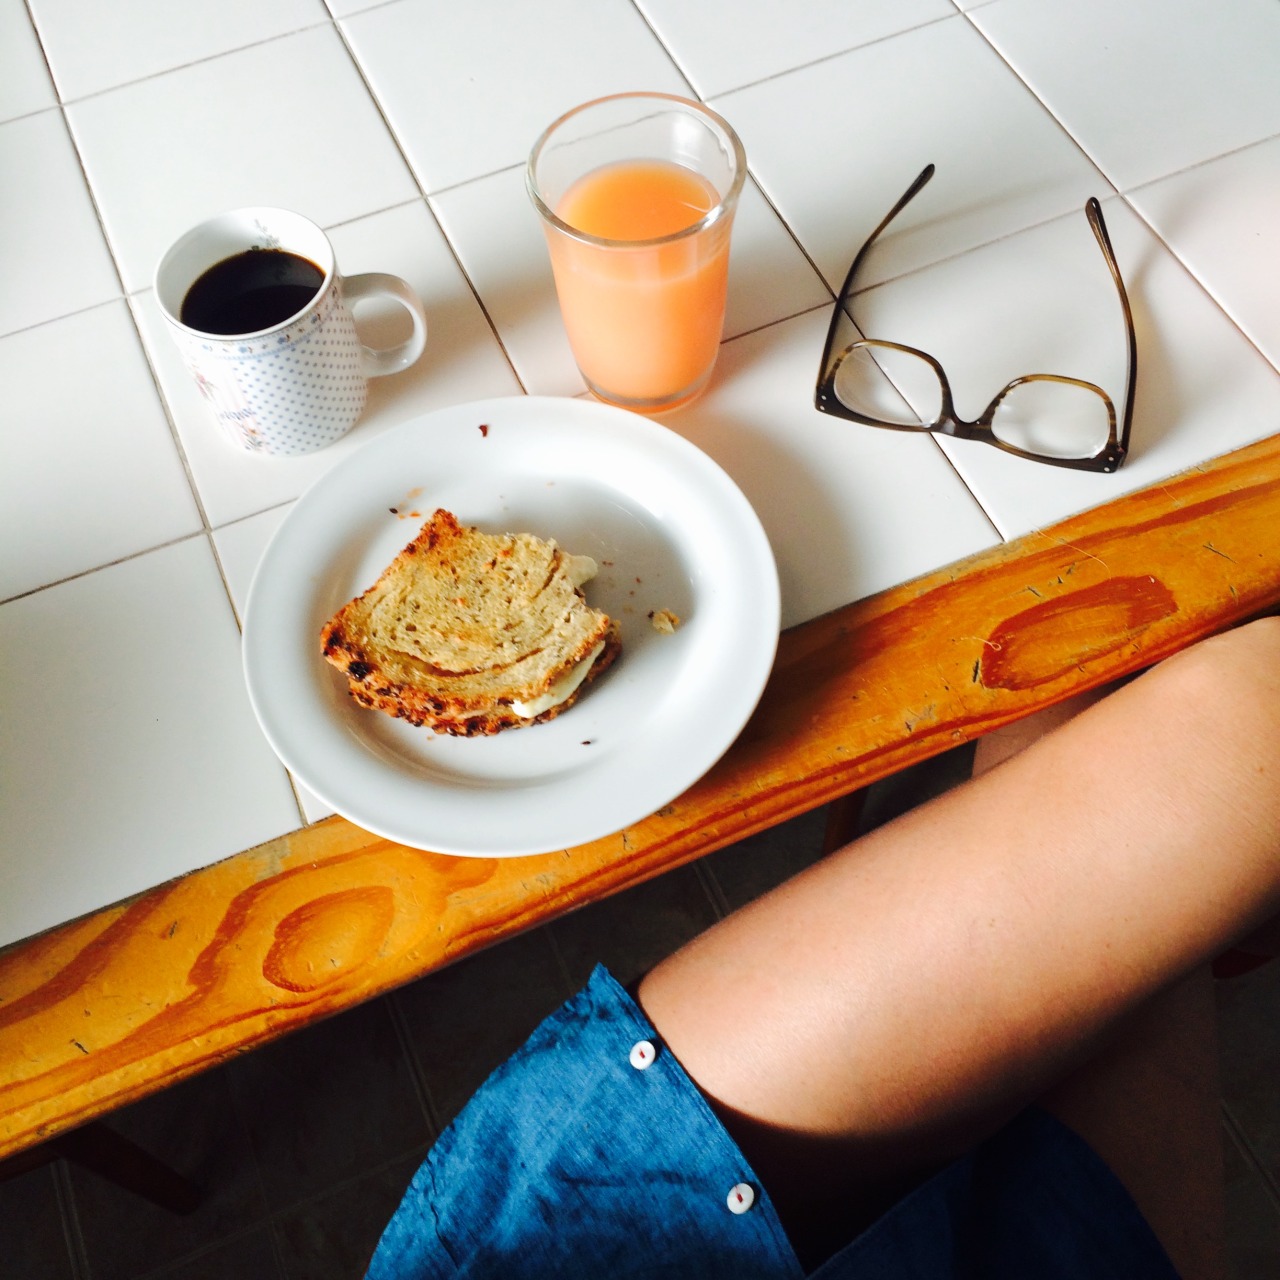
742 1196
642 1054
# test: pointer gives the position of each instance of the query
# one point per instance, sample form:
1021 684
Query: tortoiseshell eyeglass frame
1108 458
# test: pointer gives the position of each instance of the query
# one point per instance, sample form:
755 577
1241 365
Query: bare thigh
891 1006
1148 1100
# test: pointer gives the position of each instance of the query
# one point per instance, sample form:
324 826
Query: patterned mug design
303 384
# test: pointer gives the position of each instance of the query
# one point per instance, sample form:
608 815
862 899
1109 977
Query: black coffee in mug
254 290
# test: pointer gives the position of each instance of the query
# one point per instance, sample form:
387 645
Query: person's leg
1148 1102
899 1000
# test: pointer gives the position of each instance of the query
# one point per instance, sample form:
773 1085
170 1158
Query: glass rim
723 207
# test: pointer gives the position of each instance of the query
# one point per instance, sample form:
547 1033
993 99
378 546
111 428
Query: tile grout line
1245 1147
210 1247
421 1085
180 66
44 54
1040 102
712 888
124 295
1204 289
783 222
1119 190
755 181
69 1214
826 57
109 564
279 1255
174 433
424 195
1202 285
225 578
1126 194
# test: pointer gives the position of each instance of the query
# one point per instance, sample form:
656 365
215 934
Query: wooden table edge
107 1009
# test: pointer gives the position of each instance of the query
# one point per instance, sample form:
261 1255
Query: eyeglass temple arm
910 194
1093 211
912 191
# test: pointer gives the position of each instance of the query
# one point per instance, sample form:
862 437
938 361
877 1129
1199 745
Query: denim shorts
591 1153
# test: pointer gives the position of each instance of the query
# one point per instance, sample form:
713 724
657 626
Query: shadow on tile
248 1256
35 1244
462 1022
634 929
194 1127
333 1236
329 1103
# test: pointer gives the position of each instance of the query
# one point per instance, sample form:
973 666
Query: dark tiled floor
305 1146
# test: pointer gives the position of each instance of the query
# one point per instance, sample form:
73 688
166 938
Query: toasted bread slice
469 632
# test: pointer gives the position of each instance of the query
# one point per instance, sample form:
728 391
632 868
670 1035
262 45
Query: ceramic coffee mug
264 322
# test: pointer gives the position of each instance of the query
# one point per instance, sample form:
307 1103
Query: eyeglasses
1042 417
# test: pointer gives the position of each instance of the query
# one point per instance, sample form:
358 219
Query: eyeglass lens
889 385
1052 418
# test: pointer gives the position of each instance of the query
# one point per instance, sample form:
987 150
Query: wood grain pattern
109 1008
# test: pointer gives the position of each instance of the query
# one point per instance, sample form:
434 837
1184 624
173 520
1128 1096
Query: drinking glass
636 193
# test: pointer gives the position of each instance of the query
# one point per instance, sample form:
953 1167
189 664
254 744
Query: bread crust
462 624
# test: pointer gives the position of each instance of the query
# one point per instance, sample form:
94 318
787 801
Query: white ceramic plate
668 529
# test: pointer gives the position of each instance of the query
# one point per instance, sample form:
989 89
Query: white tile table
129 532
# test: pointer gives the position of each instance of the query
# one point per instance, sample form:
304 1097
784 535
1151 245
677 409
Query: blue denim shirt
591 1153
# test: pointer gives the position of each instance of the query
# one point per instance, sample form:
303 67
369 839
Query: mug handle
377 284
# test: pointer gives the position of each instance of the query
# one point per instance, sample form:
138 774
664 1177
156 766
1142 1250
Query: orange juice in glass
637 193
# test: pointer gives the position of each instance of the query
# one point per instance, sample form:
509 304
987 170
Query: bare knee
1224 676
1216 706
1246 655
1227 688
